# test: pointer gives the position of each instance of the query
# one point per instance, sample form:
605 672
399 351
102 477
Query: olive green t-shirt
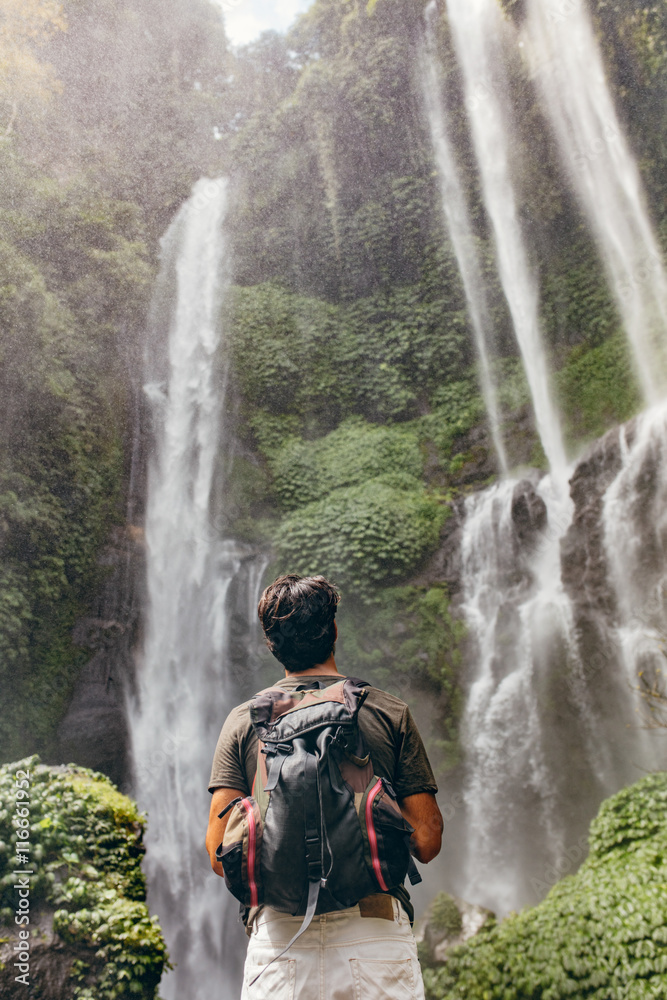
386 725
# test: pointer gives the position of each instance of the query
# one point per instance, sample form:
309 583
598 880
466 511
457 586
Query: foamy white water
457 214
477 29
184 689
553 721
519 619
568 64
635 538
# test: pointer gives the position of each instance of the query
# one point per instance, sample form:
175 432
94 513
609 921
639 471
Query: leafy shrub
352 454
86 850
445 914
381 357
406 640
362 535
600 934
598 388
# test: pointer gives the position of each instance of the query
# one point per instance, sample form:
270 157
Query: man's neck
319 670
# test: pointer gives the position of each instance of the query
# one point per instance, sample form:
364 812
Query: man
366 951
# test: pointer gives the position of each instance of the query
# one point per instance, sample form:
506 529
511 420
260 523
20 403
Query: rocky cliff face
94 730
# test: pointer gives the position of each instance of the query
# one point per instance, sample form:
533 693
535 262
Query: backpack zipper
252 833
372 835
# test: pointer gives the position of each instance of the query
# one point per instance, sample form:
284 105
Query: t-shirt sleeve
228 770
413 772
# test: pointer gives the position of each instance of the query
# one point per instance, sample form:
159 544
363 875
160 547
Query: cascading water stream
634 520
477 28
184 684
457 214
519 618
550 726
595 152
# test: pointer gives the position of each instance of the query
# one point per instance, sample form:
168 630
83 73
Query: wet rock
585 572
444 566
50 961
94 732
529 511
448 922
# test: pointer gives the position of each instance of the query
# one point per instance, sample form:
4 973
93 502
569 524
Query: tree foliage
86 846
600 934
73 278
25 79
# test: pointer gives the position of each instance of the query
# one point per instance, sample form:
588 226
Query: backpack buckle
282 748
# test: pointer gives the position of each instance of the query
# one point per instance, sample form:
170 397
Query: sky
245 20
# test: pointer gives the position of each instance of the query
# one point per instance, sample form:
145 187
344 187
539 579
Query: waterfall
566 605
519 623
635 540
457 214
196 585
593 147
477 29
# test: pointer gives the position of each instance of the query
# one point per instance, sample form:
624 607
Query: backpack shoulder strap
270 706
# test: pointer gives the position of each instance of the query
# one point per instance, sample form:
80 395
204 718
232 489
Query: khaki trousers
342 956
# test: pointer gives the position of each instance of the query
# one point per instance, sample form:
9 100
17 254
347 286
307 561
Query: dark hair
297 615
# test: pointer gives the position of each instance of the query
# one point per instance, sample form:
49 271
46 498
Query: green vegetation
406 640
599 934
361 512
362 535
73 271
597 388
445 915
86 851
383 357
92 167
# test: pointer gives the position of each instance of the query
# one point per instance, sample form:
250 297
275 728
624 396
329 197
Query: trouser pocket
278 982
375 979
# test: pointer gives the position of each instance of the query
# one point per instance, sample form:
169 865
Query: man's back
344 951
386 725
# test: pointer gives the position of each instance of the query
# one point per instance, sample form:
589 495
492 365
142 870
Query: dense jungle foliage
599 934
358 416
101 136
350 343
88 890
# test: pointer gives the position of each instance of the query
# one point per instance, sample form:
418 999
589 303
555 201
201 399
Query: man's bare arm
422 812
220 798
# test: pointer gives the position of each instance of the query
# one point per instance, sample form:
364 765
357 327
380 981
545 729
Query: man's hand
216 827
421 811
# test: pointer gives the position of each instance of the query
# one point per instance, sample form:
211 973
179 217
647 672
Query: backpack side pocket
386 835
240 851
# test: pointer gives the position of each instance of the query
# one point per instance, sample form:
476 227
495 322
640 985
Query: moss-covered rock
448 922
601 933
78 905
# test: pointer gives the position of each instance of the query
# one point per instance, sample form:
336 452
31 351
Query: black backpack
320 831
